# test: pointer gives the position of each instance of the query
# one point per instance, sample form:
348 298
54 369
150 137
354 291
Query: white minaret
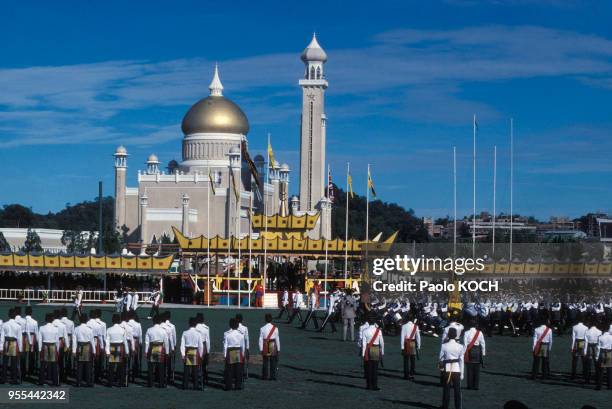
120 170
312 141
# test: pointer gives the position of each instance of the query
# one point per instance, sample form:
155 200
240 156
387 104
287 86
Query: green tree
32 242
74 241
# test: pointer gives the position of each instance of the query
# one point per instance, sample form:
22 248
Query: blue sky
405 78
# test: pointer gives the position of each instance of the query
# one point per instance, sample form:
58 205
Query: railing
13 294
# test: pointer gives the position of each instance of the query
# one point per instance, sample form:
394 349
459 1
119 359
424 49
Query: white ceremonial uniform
61 329
192 339
134 305
78 299
362 328
264 332
21 321
48 333
83 333
31 328
102 332
116 335
205 334
407 329
297 299
244 330
11 329
455 325
97 332
285 298
368 334
605 342
537 333
129 335
480 341
233 339
578 333
171 332
157 334
136 330
450 351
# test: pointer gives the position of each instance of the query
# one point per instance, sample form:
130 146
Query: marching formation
88 351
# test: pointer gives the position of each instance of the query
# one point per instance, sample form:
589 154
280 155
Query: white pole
494 189
265 220
474 190
250 240
325 243
208 238
367 232
348 165
238 227
511 182
454 201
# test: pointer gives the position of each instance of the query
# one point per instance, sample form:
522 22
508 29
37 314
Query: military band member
592 340
579 348
475 351
233 353
170 329
156 344
452 366
349 309
137 344
296 302
31 346
48 347
269 345
83 349
604 360
410 343
244 330
542 344
205 333
192 351
284 304
11 345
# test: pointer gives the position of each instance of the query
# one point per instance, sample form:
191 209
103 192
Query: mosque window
312 73
318 73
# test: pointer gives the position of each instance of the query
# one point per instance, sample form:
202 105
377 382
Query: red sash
471 345
267 340
538 344
366 357
407 343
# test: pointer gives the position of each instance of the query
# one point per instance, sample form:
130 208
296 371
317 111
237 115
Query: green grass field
319 370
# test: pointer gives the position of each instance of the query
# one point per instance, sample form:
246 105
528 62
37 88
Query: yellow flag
350 184
270 154
371 184
212 182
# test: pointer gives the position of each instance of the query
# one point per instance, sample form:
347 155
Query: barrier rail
13 294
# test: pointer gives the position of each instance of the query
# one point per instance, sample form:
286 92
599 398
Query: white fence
65 295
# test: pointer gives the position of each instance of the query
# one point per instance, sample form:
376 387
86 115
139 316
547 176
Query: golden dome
215 114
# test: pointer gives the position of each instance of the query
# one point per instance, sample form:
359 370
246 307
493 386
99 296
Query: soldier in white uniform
78 303
349 309
269 346
134 300
98 333
64 345
157 343
48 347
31 347
137 344
312 310
170 329
244 330
69 324
604 360
372 352
83 349
284 304
410 344
192 351
205 333
542 344
579 348
156 298
233 353
11 345
451 363
475 351
592 340
117 349
22 356
296 307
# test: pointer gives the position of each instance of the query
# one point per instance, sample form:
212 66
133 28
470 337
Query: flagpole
511 182
455 201
367 232
474 190
348 165
494 190
326 238
265 220
238 226
250 240
208 238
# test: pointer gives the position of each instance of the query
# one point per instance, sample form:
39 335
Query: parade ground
320 370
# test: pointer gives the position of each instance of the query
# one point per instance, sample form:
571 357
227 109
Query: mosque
216 188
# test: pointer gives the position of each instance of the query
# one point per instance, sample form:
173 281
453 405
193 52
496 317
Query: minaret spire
215 87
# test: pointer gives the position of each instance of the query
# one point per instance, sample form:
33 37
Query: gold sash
156 352
11 347
374 353
192 358
605 358
579 348
49 352
117 352
84 352
234 356
543 352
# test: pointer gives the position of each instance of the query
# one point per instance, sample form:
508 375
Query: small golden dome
215 114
